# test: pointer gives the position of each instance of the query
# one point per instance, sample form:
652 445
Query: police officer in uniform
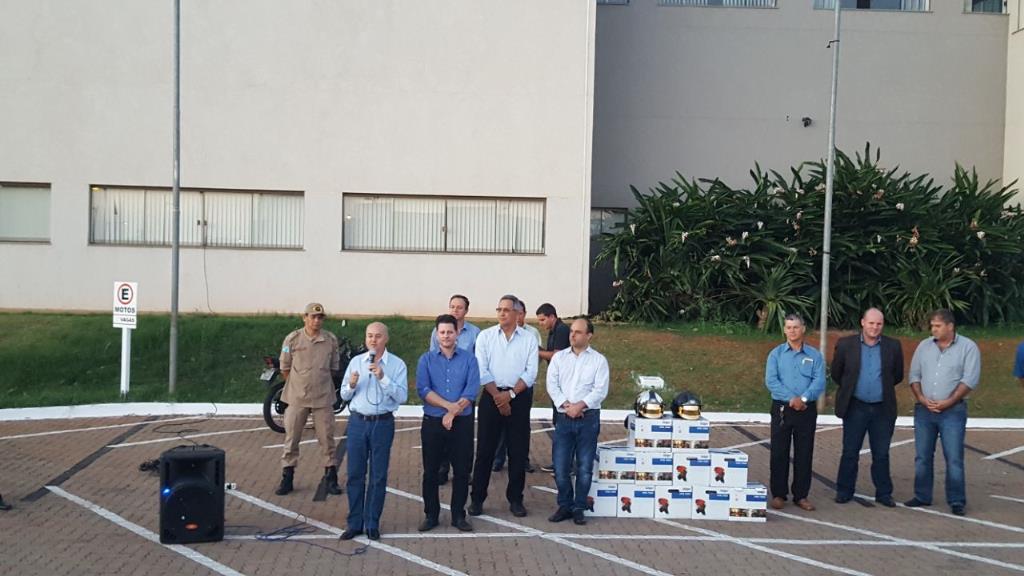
309 362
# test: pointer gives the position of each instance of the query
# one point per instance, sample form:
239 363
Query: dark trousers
796 429
863 418
455 445
516 427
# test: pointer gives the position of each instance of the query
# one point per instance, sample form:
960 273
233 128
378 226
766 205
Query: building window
443 224
613 2
24 212
606 221
724 3
985 6
213 218
897 5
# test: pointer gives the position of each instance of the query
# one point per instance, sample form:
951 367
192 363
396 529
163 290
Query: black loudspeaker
192 494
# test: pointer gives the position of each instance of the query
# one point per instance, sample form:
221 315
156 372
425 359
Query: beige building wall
710 91
447 97
1013 163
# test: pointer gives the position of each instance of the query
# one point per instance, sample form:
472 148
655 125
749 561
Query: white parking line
185 437
1021 500
1004 453
337 532
929 510
923 545
90 429
550 537
185 551
411 536
311 440
767 440
894 444
537 431
748 544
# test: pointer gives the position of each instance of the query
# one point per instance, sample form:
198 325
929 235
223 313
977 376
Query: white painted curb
542 414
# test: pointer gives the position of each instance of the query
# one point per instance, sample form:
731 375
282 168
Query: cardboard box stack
667 469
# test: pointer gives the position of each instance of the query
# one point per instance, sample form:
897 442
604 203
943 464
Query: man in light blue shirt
795 376
944 370
507 357
377 386
458 306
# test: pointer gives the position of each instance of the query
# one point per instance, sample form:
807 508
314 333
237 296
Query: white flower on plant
746 260
793 250
913 241
632 228
730 241
777 190
800 191
760 225
983 273
878 238
744 236
899 206
800 214
812 252
820 187
980 234
956 270
616 283
684 236
675 204
716 258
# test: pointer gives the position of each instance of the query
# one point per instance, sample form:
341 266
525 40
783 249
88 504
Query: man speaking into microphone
377 386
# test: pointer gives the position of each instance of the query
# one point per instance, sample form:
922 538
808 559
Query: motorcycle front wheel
274 407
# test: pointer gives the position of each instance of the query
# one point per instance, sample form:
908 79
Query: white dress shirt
505 361
573 378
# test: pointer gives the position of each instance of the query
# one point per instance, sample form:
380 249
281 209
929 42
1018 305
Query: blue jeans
367 442
863 418
949 426
575 438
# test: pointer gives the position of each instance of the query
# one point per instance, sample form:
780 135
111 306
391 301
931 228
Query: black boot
331 480
287 476
4 505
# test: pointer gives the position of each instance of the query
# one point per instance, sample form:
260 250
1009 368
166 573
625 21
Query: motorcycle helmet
686 405
649 405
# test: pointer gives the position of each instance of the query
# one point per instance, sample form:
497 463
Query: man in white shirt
507 357
577 383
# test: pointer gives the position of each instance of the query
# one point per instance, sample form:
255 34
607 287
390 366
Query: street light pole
172 376
830 174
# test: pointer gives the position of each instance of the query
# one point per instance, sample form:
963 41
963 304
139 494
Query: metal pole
172 377
826 251
126 360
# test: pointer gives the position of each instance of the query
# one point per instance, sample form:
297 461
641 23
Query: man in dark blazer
867 367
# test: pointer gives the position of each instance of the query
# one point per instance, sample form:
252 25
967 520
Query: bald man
867 367
377 386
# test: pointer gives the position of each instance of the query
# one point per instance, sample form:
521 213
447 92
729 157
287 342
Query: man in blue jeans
867 367
377 386
577 382
944 370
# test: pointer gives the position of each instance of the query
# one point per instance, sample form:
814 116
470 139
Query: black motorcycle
274 407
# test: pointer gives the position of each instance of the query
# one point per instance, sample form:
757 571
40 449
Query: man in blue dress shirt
447 380
944 370
795 376
377 386
507 356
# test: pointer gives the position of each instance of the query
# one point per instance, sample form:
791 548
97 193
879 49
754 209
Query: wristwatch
512 393
803 399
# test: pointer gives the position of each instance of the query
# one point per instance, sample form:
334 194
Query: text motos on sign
126 304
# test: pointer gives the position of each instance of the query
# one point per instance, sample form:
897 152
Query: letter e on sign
126 304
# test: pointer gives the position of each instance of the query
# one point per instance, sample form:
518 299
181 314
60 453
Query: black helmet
686 405
649 405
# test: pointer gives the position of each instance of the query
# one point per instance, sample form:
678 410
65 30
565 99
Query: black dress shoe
462 524
475 508
517 508
349 534
373 534
958 509
843 499
578 518
428 524
914 503
886 501
560 514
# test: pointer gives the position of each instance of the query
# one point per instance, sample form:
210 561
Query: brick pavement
48 534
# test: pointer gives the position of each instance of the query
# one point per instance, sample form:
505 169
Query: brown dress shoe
778 502
805 504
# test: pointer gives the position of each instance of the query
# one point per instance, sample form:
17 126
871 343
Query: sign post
126 309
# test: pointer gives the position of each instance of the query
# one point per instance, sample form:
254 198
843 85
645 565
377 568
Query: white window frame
756 4
25 209
969 8
210 217
443 224
910 6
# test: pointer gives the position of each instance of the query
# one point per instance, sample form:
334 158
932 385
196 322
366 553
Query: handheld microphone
373 355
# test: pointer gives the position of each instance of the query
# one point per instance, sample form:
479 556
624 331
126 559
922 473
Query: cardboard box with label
636 501
711 503
603 500
673 502
749 504
729 468
691 434
649 433
616 465
691 468
654 467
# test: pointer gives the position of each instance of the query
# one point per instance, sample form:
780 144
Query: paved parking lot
82 506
